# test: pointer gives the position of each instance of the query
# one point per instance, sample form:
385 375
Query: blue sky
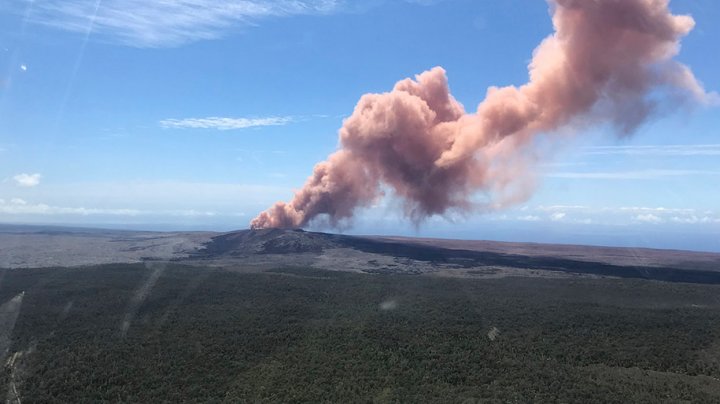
199 116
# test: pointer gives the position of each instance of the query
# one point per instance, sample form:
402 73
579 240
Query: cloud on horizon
657 150
632 175
151 199
221 123
158 24
18 206
624 215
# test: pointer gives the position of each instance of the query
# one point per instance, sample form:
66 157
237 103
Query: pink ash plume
606 62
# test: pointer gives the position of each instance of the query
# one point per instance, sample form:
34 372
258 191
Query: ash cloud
608 62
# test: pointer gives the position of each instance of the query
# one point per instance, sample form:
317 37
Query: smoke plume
608 62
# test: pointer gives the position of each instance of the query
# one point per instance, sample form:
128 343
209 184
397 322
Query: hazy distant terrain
47 246
259 250
610 255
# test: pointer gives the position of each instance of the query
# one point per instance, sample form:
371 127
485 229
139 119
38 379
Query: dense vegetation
137 333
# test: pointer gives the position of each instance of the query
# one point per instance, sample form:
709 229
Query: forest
163 332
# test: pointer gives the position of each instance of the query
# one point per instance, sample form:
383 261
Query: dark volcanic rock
268 241
278 241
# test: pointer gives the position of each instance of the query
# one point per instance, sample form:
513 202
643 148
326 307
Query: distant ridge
296 241
260 250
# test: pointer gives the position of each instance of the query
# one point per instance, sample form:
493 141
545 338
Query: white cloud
656 210
557 216
660 210
624 214
692 219
657 150
152 24
27 180
529 218
23 68
648 218
552 208
154 201
632 175
17 206
224 123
